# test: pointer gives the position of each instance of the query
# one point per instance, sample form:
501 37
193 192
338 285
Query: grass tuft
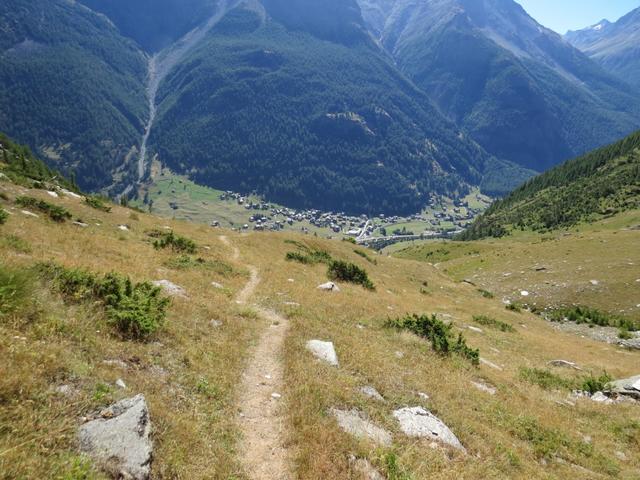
493 323
54 212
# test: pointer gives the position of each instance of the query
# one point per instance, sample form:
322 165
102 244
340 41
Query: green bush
15 289
545 379
349 272
55 212
513 307
309 256
593 384
176 242
439 333
136 310
485 293
493 323
3 216
97 203
591 316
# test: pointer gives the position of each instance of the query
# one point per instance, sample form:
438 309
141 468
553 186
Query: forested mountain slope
308 111
71 87
615 46
521 91
601 183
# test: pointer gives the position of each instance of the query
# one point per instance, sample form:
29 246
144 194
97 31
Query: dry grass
191 370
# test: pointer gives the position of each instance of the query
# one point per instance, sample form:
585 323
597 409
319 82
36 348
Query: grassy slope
507 436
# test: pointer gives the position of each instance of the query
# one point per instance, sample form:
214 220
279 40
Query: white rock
120 440
564 364
356 423
216 323
418 422
475 329
53 194
423 396
70 194
594 282
276 396
486 362
601 398
80 224
29 214
329 287
217 285
636 385
399 355
290 280
620 456
524 293
170 288
124 228
324 351
371 392
120 384
483 387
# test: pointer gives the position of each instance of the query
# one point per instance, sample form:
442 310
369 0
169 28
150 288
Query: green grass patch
16 288
366 256
98 203
16 243
438 333
187 262
514 307
54 212
349 272
493 323
4 216
486 293
136 310
550 381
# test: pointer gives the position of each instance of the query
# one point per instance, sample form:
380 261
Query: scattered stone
116 363
356 423
292 304
423 396
276 396
371 392
564 364
53 194
524 293
329 287
418 422
601 398
290 280
124 228
66 390
120 384
70 194
80 224
594 282
483 387
363 467
620 456
475 329
216 323
29 214
627 387
399 354
170 288
324 351
486 362
540 269
217 285
119 441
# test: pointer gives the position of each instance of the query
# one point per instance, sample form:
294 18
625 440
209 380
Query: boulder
329 287
627 386
418 422
323 351
171 288
371 392
119 440
356 423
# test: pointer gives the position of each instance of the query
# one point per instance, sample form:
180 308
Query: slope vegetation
601 183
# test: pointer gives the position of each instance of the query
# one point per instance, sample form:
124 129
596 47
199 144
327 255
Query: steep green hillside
600 183
307 121
154 24
71 87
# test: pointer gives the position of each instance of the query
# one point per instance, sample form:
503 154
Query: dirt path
262 415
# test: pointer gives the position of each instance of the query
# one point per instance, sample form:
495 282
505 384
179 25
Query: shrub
97 203
15 290
350 240
439 333
176 242
545 379
593 384
364 255
513 307
485 293
55 212
349 272
136 310
3 216
309 256
493 323
591 316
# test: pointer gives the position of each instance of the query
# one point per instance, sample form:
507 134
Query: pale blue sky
563 15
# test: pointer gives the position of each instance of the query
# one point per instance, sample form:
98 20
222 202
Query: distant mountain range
363 107
601 183
615 46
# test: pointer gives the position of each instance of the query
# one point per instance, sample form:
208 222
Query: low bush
550 381
16 287
175 242
513 307
438 333
594 384
485 293
364 255
308 256
97 203
493 323
136 310
54 212
3 216
349 272
594 317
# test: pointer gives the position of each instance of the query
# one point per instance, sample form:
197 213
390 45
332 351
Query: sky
563 15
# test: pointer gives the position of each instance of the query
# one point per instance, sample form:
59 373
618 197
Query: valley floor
234 393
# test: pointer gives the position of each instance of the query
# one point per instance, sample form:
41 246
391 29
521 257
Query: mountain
154 24
71 87
601 183
295 100
519 90
615 46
